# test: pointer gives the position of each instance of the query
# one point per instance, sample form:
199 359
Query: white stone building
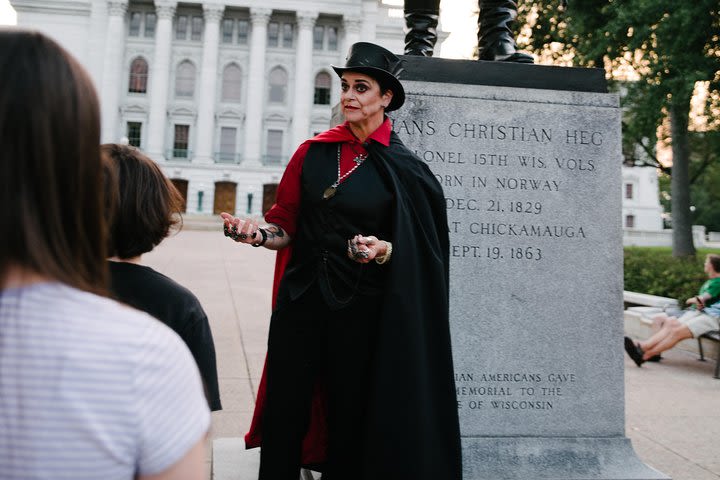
641 209
221 92
218 92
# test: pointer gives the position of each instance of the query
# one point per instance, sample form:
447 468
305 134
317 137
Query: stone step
195 221
231 461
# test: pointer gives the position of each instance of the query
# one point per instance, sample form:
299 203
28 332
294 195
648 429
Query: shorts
699 323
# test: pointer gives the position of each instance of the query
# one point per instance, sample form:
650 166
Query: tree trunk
682 240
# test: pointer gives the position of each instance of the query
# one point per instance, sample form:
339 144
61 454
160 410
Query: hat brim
379 74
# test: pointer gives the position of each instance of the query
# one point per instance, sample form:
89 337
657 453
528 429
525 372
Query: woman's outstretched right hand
242 230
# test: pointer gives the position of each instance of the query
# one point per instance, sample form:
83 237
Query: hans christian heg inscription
532 191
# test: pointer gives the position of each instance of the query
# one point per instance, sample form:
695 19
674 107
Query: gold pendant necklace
329 192
332 189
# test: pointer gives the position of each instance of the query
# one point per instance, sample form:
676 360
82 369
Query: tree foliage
668 46
704 180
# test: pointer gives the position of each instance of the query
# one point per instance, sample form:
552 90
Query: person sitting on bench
702 317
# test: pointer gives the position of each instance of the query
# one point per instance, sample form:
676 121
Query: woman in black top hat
358 381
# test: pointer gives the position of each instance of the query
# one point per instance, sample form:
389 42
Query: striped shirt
90 388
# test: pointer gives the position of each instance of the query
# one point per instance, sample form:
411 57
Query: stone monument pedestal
530 161
491 458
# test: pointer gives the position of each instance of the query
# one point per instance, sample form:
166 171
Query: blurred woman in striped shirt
88 388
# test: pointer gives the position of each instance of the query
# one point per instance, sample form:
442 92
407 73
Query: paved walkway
672 408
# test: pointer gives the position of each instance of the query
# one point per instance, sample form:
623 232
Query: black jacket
177 307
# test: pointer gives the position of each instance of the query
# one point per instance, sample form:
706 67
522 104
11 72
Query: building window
287 37
227 30
181 27
629 221
180 141
273 148
185 80
322 89
629 191
273 32
332 34
278 85
325 37
232 76
280 34
234 30
142 24
135 21
197 28
138 76
227 144
134 133
318 37
150 22
243 32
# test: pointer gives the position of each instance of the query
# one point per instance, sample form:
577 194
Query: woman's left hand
364 249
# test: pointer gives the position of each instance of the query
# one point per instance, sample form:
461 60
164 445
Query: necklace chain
359 159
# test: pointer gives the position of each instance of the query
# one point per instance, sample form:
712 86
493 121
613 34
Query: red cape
314 449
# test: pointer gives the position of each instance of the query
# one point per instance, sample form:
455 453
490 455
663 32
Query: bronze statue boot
495 36
420 32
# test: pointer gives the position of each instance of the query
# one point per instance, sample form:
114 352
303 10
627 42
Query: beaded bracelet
263 233
386 257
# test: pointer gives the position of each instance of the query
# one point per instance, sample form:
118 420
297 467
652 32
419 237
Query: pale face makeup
361 100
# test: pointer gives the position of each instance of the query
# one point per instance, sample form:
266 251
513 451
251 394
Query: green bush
653 270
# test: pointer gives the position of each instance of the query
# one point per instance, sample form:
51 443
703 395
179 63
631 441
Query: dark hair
146 204
50 176
385 85
714 260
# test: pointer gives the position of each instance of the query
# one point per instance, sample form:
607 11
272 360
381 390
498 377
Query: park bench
715 336
662 304
647 300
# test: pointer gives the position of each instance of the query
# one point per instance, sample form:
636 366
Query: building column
256 86
351 25
113 69
213 13
159 71
370 18
303 94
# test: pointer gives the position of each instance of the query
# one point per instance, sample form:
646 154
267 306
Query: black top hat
379 63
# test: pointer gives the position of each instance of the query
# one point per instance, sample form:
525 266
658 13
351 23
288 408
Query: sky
7 14
459 19
455 17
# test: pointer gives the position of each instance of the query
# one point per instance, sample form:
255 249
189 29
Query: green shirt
711 287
